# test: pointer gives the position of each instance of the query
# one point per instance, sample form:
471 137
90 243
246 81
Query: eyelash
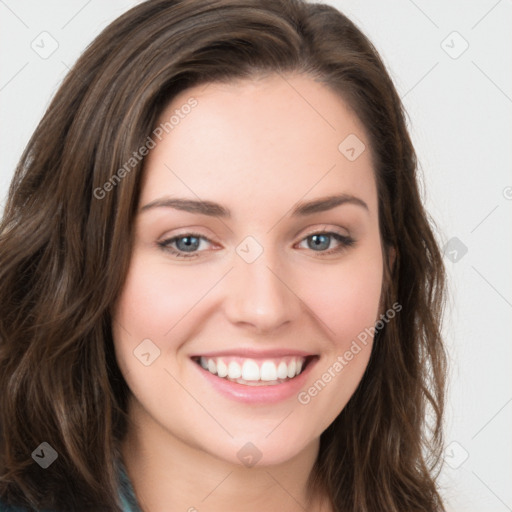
345 243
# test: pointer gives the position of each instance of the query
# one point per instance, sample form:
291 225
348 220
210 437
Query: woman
220 288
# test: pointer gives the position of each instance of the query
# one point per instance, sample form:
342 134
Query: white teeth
251 372
212 366
222 369
282 370
291 369
234 370
268 371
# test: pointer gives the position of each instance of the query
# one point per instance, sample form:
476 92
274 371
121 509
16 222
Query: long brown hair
65 251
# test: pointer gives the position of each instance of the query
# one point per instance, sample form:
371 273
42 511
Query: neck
169 474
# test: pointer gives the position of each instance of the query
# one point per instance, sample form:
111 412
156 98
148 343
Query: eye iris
191 243
318 243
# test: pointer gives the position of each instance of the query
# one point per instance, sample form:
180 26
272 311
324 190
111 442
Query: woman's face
242 265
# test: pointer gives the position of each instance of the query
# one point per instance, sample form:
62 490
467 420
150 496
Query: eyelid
325 229
309 232
345 242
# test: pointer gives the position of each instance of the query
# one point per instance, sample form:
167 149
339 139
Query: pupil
320 244
188 246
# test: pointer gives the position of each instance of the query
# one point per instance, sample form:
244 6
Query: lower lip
257 394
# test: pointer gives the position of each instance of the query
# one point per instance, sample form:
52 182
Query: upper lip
255 354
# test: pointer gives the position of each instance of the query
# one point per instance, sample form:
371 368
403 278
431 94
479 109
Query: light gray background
459 107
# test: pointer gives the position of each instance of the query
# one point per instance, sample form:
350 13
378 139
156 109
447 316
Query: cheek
157 303
155 297
346 297
346 301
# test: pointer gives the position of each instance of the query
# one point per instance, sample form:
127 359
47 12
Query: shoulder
126 495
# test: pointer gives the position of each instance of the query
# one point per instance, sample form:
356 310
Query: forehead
277 138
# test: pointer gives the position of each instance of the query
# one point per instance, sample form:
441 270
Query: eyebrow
213 209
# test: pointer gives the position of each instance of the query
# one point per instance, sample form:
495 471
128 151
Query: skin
257 147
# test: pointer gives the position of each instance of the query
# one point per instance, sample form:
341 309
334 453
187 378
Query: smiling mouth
255 372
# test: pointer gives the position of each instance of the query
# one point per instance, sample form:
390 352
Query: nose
261 295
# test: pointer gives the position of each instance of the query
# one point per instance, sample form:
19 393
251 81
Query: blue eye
187 245
319 242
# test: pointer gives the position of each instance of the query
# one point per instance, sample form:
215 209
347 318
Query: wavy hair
64 255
